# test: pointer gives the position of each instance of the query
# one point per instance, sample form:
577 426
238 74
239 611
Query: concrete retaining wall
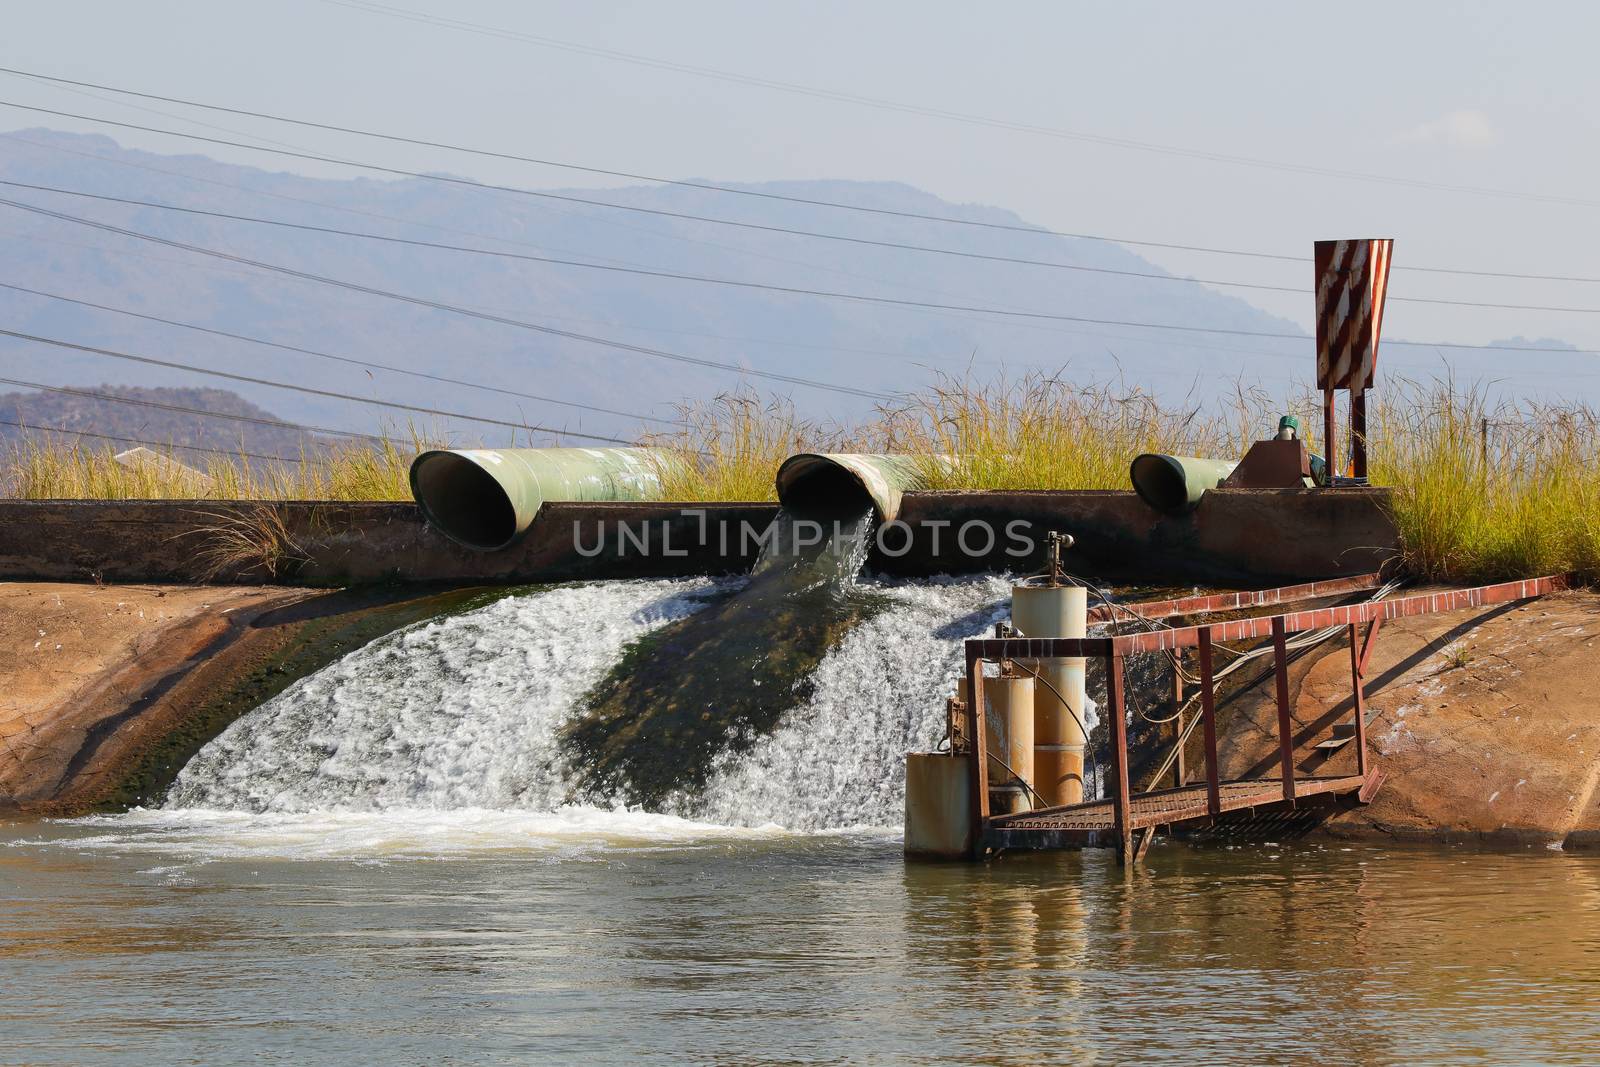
337 543
1235 536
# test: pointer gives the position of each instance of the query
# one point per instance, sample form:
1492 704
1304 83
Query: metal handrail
1114 649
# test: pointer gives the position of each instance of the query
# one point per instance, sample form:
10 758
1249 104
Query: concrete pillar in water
1010 741
1058 697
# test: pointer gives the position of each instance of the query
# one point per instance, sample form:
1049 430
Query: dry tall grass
1521 500
56 467
1043 432
1490 492
730 447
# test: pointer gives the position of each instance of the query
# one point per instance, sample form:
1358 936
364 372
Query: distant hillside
151 425
864 345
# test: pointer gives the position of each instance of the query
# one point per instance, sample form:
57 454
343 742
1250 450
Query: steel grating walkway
1171 806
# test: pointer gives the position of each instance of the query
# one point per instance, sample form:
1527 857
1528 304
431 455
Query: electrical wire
790 231
1018 779
309 390
791 290
698 218
634 176
785 289
734 190
136 441
450 308
252 419
461 25
640 209
1059 695
612 223
328 355
1309 640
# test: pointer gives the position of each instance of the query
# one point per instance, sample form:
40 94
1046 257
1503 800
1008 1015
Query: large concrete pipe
845 484
1009 700
1059 708
486 497
1174 484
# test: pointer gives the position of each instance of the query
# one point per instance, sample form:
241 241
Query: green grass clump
1488 493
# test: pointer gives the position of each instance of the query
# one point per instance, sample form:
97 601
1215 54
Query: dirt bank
1486 723
106 691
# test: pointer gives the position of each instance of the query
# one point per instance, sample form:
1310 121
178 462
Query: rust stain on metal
1122 814
1254 598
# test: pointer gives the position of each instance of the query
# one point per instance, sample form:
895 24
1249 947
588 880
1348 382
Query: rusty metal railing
1203 638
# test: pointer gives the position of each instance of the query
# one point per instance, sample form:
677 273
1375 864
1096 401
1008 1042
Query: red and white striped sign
1352 278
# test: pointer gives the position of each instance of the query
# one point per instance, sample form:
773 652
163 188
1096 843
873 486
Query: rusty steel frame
995 648
1254 598
1209 803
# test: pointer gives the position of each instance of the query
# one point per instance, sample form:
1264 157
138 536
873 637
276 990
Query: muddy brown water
595 937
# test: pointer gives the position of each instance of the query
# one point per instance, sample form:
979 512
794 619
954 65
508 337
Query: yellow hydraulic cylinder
1058 695
1010 741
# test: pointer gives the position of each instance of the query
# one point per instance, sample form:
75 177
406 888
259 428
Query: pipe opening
463 500
814 487
1160 482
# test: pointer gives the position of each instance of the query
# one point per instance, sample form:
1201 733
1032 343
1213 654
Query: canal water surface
406 859
587 936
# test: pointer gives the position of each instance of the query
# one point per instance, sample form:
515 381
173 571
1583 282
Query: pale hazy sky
1499 96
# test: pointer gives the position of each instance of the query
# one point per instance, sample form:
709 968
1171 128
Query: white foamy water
441 739
456 713
208 834
839 759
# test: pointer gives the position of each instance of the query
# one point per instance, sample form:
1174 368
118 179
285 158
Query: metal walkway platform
1095 821
1127 818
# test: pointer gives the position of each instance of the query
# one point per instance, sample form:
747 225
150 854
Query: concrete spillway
466 712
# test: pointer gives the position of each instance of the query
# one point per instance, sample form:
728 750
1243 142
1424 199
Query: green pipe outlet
844 484
1174 484
486 497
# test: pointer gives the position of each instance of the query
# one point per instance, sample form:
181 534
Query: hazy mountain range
859 345
160 417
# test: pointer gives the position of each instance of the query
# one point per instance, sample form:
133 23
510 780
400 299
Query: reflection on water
140 939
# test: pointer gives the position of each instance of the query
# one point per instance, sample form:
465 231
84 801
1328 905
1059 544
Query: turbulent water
838 760
456 713
462 715
716 681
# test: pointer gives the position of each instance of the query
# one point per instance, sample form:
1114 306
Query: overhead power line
1032 326
789 231
711 187
450 308
707 279
501 254
813 234
327 355
759 194
939 113
137 441
113 398
1178 327
309 390
503 239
